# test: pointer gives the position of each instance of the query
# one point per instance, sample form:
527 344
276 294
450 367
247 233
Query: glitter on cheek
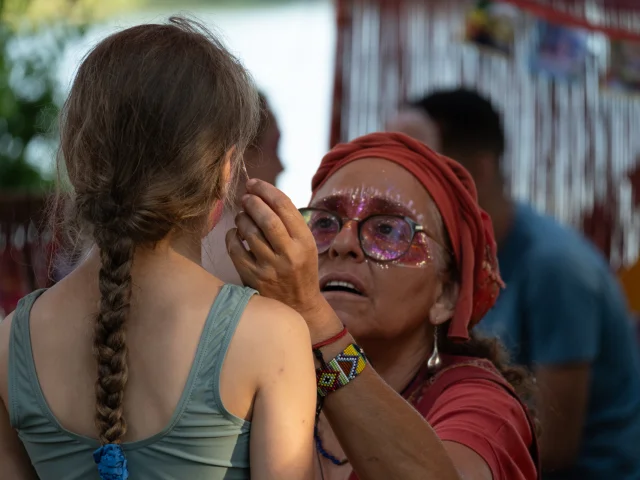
378 265
419 254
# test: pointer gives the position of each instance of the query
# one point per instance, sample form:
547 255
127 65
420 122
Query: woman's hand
282 260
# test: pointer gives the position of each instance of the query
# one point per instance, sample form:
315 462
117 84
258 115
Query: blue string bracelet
320 448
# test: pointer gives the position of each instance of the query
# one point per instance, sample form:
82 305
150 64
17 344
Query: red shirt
470 403
480 415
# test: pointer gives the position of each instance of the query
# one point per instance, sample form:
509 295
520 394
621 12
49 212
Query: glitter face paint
362 202
216 214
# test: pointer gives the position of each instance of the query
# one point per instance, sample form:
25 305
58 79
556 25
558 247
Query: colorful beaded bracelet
341 370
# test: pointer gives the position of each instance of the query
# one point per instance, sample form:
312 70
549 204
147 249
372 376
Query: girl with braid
140 364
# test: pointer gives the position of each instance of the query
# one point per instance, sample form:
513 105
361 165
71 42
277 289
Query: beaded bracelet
341 370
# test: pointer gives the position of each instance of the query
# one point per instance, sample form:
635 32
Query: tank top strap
216 337
22 370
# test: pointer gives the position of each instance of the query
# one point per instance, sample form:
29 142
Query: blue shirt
562 305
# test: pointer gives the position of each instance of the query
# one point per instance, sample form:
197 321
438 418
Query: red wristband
331 340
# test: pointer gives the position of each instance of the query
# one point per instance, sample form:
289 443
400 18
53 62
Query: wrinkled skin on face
393 299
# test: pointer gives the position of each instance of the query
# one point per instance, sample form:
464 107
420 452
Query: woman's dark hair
145 133
490 349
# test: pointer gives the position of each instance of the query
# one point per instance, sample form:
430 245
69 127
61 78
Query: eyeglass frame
343 221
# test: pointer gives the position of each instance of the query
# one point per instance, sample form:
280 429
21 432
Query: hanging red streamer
555 15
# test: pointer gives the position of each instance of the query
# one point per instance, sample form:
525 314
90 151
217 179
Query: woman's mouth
340 286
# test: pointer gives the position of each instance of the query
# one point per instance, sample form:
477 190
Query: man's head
461 125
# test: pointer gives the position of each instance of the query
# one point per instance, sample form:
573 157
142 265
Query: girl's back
183 362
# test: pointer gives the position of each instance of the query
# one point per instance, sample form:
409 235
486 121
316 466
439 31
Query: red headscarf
454 193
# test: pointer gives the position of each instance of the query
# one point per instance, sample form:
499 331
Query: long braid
110 348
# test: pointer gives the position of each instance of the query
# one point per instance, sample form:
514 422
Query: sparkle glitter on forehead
361 202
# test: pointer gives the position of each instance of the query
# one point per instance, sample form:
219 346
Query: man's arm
563 328
562 399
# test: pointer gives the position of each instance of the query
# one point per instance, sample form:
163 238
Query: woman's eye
324 223
385 229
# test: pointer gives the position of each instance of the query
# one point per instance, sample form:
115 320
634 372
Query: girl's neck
164 251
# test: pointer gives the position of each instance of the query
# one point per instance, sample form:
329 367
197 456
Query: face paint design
216 215
362 202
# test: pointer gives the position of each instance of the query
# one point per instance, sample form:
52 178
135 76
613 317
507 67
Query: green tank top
201 441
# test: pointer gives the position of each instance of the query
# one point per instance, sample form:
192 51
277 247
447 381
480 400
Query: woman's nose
346 244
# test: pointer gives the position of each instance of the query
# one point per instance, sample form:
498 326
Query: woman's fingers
279 203
243 260
268 222
250 233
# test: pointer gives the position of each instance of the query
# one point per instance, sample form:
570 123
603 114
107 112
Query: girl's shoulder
268 329
5 334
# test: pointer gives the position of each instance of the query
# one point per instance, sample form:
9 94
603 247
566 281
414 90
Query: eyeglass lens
383 238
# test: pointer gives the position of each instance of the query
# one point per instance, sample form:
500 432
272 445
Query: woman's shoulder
459 370
476 384
474 405
477 394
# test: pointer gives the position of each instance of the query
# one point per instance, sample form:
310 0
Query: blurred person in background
261 161
562 313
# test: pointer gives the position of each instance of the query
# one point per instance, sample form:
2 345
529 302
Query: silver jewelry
434 362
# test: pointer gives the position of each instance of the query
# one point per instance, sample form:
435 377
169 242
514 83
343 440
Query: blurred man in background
562 314
262 161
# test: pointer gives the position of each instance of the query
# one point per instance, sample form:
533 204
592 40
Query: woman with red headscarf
394 258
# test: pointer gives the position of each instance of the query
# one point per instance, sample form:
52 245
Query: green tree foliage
29 59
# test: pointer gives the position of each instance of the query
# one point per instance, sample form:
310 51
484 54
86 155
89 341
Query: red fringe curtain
574 148
25 249
615 18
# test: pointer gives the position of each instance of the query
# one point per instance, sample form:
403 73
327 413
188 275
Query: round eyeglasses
383 238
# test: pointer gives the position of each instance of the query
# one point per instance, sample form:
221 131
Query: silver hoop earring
434 362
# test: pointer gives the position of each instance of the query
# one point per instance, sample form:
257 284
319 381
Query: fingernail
251 182
245 198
